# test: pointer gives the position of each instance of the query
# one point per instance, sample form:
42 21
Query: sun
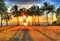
25 23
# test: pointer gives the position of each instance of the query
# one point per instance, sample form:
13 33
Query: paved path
30 33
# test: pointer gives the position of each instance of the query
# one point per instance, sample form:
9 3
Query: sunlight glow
24 17
25 23
24 20
21 19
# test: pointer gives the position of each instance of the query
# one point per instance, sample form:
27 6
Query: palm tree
37 12
51 9
14 9
32 11
3 9
7 17
23 12
48 8
58 14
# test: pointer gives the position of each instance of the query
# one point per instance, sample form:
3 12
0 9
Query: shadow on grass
7 28
58 33
26 36
14 38
45 35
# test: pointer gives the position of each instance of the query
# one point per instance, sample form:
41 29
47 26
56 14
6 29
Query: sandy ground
29 33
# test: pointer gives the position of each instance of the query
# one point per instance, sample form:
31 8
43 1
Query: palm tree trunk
6 22
52 18
35 20
38 21
17 21
47 20
32 20
1 19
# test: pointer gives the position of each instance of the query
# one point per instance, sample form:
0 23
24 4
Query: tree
37 12
57 12
51 9
32 11
7 17
48 8
58 15
14 9
3 9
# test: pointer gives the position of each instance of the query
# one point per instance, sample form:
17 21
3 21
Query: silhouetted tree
14 10
7 17
48 8
3 9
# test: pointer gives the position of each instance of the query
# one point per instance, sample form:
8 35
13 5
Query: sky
28 3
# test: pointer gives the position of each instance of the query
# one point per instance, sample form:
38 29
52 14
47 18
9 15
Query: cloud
55 0
24 1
